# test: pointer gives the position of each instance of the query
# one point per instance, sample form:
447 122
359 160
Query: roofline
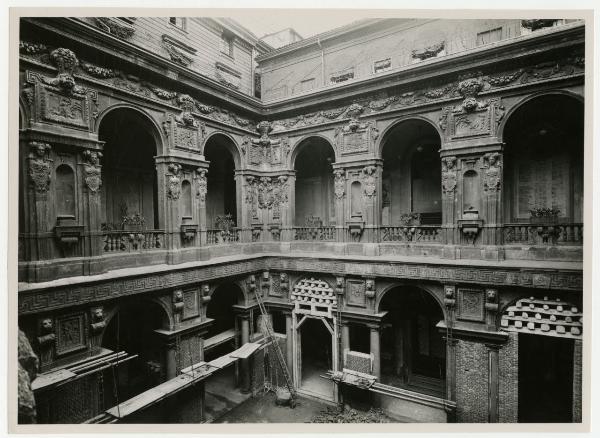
241 32
319 38
279 31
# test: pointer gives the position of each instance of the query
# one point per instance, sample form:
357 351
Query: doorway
316 357
545 379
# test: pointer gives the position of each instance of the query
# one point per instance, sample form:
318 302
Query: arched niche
186 200
64 188
130 187
221 196
543 160
314 198
411 173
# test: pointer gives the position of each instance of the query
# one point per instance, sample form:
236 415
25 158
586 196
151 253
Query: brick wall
577 380
508 380
471 382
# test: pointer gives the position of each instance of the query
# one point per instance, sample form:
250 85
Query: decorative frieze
116 26
39 166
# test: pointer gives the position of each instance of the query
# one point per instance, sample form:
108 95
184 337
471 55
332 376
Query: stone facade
154 195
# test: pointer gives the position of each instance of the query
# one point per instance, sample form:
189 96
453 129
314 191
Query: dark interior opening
545 379
220 181
360 338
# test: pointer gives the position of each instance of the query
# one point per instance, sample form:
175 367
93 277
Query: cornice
451 66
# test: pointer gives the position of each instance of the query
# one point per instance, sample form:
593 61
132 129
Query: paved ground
262 409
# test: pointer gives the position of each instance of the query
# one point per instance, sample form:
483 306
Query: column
171 347
375 350
345 340
245 363
493 383
92 182
289 345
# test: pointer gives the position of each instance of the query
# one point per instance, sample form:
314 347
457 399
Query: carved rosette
492 164
39 166
174 182
339 183
449 176
202 184
369 181
92 171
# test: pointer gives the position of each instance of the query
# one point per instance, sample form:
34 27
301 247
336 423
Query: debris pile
349 415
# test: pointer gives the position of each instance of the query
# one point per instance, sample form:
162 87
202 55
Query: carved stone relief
449 175
71 333
92 171
470 304
339 183
39 166
355 293
174 182
492 164
369 181
201 184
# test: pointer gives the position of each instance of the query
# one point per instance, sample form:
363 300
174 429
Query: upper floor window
489 36
227 44
178 22
382 65
342 76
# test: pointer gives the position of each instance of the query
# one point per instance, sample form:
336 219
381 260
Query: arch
298 146
425 287
65 190
231 145
220 307
155 128
383 137
529 98
543 159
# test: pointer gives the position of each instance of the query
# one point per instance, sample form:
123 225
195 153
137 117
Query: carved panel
356 293
470 304
71 110
190 304
275 286
71 333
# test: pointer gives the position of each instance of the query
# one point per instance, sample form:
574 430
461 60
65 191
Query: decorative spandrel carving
356 136
174 182
184 131
265 150
369 181
92 171
339 183
116 26
449 175
39 166
492 164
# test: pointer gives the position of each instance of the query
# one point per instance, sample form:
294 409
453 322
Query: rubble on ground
349 415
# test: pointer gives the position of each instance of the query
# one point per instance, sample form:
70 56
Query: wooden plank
44 380
245 351
219 338
222 362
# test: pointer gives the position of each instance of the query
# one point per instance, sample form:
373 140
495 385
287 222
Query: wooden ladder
278 353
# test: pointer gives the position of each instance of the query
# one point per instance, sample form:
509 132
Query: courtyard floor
262 409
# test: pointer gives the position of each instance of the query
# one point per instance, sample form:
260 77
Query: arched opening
132 329
65 192
222 334
186 199
413 352
314 200
129 189
221 195
412 175
543 169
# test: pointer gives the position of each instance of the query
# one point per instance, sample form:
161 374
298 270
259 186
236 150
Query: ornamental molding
38 299
116 26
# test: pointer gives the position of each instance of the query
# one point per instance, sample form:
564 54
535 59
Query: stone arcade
405 195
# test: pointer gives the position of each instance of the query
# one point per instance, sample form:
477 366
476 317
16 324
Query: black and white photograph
301 217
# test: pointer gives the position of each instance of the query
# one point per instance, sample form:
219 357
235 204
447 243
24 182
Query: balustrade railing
416 233
540 234
326 233
221 237
127 241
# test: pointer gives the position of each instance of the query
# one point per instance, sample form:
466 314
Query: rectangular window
489 36
227 44
382 65
178 22
342 76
